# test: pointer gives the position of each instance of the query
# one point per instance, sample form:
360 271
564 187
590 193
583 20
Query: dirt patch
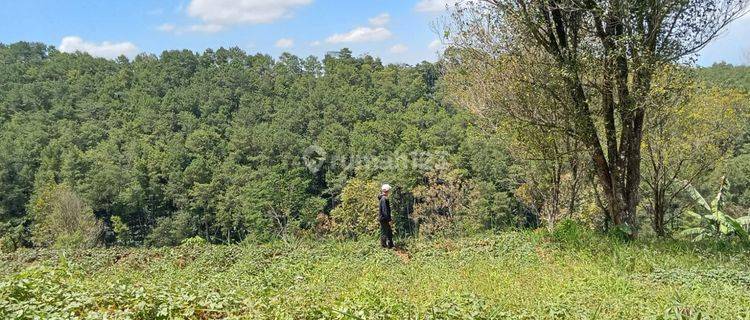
402 253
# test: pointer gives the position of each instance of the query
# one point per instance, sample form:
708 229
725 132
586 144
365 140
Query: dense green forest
727 75
213 144
223 145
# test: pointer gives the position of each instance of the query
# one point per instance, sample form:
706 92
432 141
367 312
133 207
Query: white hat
385 187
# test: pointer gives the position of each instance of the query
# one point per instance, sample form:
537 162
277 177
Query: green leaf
721 219
738 228
697 197
744 220
692 231
723 229
717 204
693 214
699 237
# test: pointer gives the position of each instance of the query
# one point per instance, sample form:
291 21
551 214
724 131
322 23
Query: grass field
511 275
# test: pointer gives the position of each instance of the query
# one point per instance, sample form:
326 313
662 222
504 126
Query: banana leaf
718 202
693 214
721 218
699 237
738 228
697 197
744 220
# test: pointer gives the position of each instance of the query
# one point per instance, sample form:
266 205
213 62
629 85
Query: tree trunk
573 187
659 213
619 175
554 211
618 170
573 162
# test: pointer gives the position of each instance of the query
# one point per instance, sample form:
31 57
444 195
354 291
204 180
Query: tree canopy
211 144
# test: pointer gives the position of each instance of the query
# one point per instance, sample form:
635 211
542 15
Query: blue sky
395 30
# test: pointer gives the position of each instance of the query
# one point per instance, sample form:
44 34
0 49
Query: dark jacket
385 209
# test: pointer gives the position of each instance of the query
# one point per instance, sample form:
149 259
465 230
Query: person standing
384 217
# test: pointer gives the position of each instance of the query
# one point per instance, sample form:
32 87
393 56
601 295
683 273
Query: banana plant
713 221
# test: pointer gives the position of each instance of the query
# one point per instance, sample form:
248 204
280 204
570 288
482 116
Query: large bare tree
581 67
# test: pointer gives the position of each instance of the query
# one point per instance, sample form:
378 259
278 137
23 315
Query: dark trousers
386 235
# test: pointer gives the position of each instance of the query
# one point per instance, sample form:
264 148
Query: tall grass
567 274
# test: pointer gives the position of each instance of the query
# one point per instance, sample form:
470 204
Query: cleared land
511 275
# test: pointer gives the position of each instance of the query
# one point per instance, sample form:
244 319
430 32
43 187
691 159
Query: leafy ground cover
510 275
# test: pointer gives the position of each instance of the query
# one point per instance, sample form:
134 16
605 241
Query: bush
63 220
123 235
443 203
571 232
491 208
171 231
13 236
194 241
358 212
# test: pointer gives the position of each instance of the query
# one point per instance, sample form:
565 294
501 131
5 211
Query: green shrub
123 235
489 207
7 245
170 231
443 204
13 235
194 241
463 307
63 220
572 233
358 212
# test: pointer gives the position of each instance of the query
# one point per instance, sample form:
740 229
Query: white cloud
166 27
399 48
434 5
228 12
361 34
105 49
205 28
315 43
285 43
435 44
380 20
